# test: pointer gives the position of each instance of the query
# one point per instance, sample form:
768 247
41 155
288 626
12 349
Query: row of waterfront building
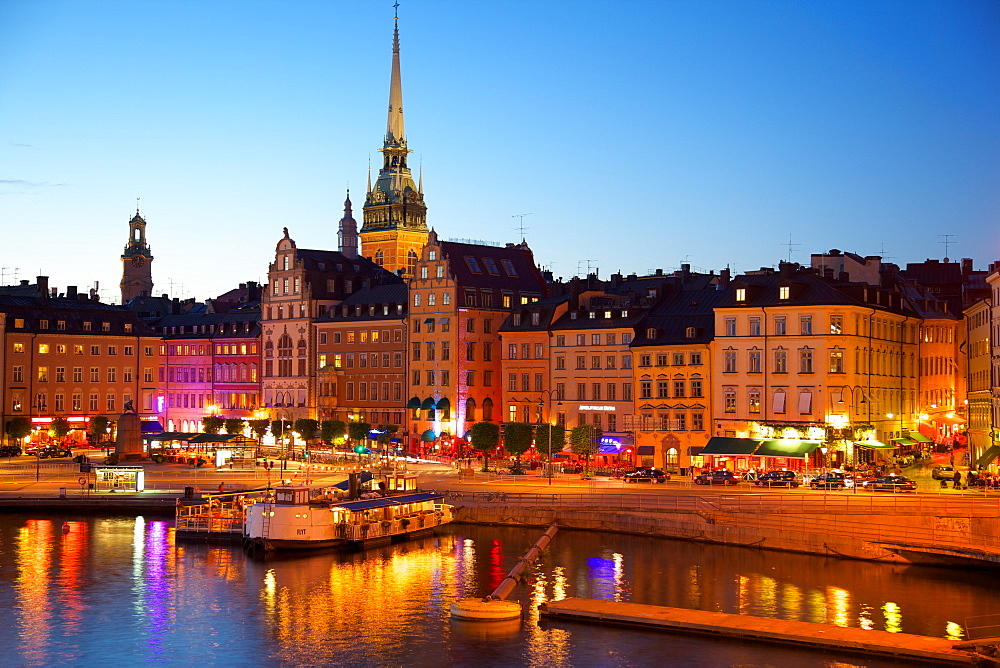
836 360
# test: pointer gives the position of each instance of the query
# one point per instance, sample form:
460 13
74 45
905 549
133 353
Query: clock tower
395 216
137 260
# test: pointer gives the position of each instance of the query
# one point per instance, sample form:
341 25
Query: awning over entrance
903 441
414 402
874 445
786 448
724 445
919 438
991 453
645 450
427 404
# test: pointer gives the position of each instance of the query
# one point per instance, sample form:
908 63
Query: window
18 374
445 352
730 401
626 361
729 358
730 326
95 374
805 402
753 397
487 378
645 359
470 324
780 361
416 352
560 339
754 361
754 326
512 351
805 360
95 350
778 401
697 421
609 362
741 294
581 362
560 363
779 325
60 374
784 292
836 361
508 266
662 389
626 391
805 324
627 336
595 362
645 389
487 326
680 389
539 351
416 299
470 351
836 324
595 339
473 266
696 359
78 375
696 389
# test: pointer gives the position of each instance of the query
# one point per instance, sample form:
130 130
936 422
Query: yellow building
830 365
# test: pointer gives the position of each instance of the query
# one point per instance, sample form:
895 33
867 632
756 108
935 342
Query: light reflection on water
121 589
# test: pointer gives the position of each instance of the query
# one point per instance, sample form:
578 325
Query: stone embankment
892 529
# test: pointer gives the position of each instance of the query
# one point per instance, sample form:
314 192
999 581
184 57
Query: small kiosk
119 478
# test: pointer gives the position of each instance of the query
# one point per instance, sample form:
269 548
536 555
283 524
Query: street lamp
853 408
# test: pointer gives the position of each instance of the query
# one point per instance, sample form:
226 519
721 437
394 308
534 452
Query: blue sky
638 135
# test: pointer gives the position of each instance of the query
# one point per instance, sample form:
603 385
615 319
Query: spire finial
396 13
137 205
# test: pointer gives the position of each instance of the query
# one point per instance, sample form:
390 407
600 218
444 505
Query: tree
259 428
584 441
517 440
386 432
278 428
211 424
234 425
18 428
550 439
358 432
485 436
98 428
60 428
332 431
306 428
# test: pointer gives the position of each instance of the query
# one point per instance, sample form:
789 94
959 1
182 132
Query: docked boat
299 518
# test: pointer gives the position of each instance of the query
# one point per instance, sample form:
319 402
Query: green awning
724 445
427 404
786 447
991 453
919 438
414 402
903 441
874 445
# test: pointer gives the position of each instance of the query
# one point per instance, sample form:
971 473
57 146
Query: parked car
832 480
778 479
10 451
890 483
54 451
943 472
716 478
650 474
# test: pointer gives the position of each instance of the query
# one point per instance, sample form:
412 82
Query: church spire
348 233
394 131
395 217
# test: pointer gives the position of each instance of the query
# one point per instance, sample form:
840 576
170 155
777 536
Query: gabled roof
511 267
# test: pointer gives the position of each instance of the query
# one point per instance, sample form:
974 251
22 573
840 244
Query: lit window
784 292
741 294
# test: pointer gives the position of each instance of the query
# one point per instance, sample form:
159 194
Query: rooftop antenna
520 224
790 246
4 271
579 262
947 242
170 282
882 251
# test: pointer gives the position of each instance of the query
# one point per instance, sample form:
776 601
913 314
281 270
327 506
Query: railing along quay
841 503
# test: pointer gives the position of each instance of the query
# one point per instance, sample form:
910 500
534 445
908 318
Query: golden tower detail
395 216
137 261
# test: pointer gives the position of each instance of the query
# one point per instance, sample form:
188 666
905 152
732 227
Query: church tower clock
395 216
137 260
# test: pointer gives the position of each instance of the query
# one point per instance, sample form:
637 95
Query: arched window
470 410
285 355
411 263
379 257
487 409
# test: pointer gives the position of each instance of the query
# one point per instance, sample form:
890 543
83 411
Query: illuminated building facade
801 357
459 298
979 369
73 357
361 347
302 285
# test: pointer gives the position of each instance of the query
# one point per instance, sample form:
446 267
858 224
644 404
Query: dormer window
432 255
535 319
651 333
690 332
784 292
624 313
572 316
517 319
607 315
592 314
741 294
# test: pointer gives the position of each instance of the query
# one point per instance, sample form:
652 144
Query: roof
386 501
511 267
672 318
72 313
395 296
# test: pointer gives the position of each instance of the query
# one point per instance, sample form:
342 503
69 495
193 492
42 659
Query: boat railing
368 530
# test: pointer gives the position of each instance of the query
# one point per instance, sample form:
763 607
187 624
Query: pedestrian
957 480
222 487
951 459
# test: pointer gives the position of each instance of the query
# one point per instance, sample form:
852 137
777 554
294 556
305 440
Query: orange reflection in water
75 537
34 608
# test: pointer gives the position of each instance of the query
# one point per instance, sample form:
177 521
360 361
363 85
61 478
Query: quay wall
928 540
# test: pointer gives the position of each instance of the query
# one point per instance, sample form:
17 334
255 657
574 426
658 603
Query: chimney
43 286
966 266
787 270
574 294
659 272
24 281
253 291
71 292
685 270
724 277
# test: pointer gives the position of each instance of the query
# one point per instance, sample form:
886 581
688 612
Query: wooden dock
804 635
